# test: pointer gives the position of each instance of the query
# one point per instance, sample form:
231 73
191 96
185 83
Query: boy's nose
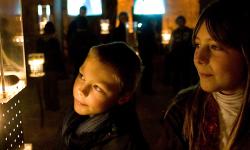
84 90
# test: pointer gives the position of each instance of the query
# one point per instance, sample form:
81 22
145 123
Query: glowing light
27 146
165 37
139 25
40 10
104 23
44 16
11 91
12 86
47 10
94 7
36 61
18 39
42 24
147 7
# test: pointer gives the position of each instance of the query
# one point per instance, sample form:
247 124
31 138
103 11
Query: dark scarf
82 132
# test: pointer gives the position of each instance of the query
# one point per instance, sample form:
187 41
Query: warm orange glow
18 39
165 37
11 91
175 8
126 5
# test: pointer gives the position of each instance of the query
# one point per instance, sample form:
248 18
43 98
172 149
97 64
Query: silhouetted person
120 32
79 39
49 44
181 51
147 46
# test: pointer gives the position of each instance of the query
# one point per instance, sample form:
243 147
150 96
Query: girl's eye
214 47
196 45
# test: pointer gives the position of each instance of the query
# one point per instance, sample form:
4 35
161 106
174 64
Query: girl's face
96 88
220 68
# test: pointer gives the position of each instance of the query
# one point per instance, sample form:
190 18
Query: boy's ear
124 99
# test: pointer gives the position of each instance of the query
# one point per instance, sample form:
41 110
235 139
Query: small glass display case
12 57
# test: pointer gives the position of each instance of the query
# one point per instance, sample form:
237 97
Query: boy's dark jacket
120 131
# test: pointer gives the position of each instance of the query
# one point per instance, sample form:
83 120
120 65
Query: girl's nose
201 55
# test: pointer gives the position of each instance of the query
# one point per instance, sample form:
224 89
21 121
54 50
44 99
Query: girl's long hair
227 23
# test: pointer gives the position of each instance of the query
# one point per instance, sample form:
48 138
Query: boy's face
96 88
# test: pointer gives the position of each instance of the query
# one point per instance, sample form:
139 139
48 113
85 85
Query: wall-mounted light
104 23
47 10
43 12
39 10
18 40
139 25
36 61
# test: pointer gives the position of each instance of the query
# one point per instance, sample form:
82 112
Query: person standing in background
181 53
49 44
120 32
79 39
147 45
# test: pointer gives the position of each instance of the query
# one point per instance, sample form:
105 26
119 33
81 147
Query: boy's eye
98 89
81 76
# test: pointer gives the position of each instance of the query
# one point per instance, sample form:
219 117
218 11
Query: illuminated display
43 12
12 57
149 7
94 7
12 75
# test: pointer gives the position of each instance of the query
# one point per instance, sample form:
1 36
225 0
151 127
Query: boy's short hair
124 60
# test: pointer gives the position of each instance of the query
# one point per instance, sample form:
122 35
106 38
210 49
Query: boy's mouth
79 102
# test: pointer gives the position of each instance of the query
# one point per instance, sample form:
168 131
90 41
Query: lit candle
36 61
104 23
165 37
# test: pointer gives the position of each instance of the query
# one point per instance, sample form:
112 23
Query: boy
104 115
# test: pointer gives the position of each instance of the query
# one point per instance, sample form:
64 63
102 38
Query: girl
215 113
